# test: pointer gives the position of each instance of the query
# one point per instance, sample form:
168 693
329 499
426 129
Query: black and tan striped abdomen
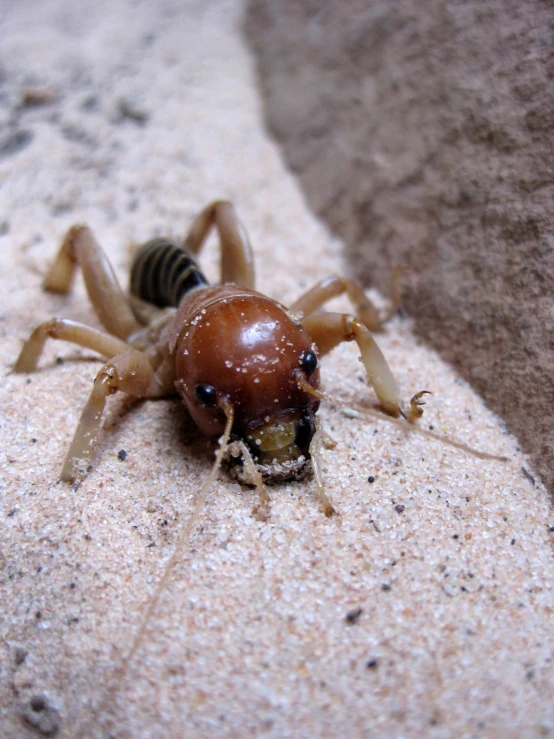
163 273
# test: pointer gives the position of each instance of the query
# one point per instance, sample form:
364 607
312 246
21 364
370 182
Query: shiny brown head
247 349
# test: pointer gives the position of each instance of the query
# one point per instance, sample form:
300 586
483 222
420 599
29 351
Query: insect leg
65 330
237 260
130 372
329 329
80 248
331 287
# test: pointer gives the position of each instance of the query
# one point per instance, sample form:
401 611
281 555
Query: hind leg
237 260
129 372
80 248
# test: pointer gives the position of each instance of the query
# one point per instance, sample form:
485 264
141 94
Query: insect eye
206 394
308 362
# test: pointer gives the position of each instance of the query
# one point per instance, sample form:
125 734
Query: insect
246 367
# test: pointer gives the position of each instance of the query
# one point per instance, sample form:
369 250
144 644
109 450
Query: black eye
206 394
308 362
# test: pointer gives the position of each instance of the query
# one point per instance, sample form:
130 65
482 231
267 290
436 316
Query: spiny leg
332 287
237 260
65 330
130 372
327 330
80 248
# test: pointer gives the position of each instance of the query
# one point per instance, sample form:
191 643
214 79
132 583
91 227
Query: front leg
327 330
130 372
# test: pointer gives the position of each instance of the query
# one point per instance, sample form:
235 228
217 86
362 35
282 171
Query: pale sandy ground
448 557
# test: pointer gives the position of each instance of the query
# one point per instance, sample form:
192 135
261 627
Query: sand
424 609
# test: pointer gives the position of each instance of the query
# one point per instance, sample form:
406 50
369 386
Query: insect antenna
404 425
121 671
371 413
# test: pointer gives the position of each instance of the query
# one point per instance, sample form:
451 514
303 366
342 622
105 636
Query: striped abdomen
163 273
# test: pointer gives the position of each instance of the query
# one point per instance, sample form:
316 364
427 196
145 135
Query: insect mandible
246 367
